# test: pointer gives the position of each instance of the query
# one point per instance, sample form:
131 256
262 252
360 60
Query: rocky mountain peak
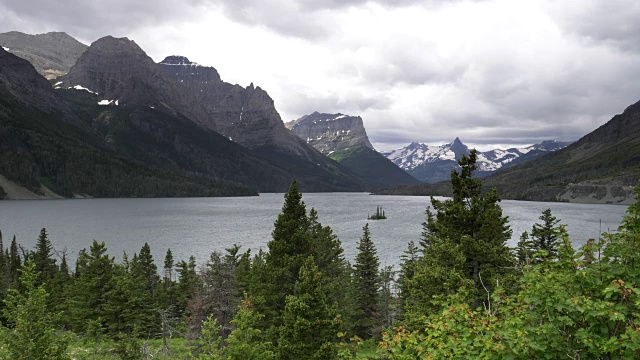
459 148
110 44
188 71
52 54
331 132
178 60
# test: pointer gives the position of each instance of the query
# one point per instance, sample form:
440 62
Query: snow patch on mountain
415 154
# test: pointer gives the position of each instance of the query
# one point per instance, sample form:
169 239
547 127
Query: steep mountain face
118 69
433 163
127 106
343 138
330 132
245 115
601 167
62 142
52 54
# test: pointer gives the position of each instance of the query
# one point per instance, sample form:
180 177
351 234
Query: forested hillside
459 293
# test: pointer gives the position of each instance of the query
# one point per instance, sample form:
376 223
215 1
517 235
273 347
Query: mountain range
119 124
433 163
601 167
343 138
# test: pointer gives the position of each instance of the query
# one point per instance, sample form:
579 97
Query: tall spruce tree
288 249
476 223
43 258
310 323
367 286
15 262
94 270
546 236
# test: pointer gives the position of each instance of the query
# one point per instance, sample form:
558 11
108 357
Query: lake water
198 226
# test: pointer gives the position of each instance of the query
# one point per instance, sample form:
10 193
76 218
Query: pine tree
94 270
15 262
168 265
31 332
188 282
439 272
247 342
524 251
476 223
408 265
367 286
288 249
45 264
545 236
208 345
310 323
329 256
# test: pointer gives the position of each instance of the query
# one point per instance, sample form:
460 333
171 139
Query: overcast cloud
492 72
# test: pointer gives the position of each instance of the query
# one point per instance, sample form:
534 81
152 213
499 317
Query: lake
198 226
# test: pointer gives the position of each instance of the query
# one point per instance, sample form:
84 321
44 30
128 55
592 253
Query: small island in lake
379 215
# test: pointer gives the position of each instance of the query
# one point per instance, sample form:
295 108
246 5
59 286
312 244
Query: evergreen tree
524 251
45 264
168 265
476 223
545 236
367 286
288 249
329 256
31 332
146 269
208 345
439 272
188 282
247 342
15 262
94 270
310 323
408 266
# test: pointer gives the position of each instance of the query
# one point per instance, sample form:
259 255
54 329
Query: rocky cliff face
331 132
121 73
247 116
52 54
118 69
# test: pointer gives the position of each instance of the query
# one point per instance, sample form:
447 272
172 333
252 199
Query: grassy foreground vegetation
460 293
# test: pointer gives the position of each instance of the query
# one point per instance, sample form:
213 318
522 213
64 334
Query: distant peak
456 141
177 60
110 43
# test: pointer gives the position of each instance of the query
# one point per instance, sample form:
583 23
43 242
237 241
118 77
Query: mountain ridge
433 163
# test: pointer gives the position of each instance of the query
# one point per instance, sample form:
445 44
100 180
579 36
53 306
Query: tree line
461 292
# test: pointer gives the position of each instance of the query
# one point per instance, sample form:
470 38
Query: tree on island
379 215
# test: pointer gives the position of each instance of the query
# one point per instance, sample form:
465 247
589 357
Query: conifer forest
460 293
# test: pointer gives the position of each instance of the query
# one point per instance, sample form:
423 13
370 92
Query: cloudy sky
492 72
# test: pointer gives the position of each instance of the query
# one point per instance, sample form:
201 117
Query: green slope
373 166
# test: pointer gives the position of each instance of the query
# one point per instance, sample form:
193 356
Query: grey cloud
612 22
90 20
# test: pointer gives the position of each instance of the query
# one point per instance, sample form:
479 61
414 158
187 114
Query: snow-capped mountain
432 163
